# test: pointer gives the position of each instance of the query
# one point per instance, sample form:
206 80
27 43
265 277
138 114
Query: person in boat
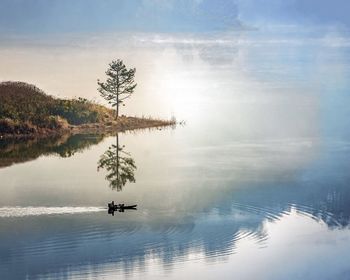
111 205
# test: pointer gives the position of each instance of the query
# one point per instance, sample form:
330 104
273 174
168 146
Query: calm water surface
254 186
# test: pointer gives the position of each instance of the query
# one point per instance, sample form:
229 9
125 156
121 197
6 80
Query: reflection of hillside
13 151
209 221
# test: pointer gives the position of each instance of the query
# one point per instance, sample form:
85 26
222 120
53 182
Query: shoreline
28 112
121 125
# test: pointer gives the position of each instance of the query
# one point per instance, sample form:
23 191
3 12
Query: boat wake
40 211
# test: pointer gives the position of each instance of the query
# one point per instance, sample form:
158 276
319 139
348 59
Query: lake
255 185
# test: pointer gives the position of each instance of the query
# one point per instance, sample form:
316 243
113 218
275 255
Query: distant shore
26 111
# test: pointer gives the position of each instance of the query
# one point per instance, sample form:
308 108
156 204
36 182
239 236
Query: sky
67 16
303 12
40 16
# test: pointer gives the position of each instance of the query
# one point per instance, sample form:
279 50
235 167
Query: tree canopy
119 84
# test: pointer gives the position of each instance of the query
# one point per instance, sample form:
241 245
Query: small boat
115 207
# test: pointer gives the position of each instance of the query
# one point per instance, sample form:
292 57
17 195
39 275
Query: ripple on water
276 213
131 246
318 215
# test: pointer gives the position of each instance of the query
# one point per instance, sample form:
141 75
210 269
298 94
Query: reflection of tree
120 166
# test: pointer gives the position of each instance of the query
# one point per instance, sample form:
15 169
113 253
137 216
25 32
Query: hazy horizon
254 185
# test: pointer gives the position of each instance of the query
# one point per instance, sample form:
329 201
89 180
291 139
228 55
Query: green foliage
8 126
119 84
76 111
24 103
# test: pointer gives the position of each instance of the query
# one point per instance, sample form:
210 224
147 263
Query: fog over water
260 165
254 186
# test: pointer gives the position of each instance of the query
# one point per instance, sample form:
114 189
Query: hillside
27 110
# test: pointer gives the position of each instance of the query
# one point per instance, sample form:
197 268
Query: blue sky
62 16
37 16
303 12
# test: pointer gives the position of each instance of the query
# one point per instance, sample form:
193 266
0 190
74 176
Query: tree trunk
117 107
117 110
117 142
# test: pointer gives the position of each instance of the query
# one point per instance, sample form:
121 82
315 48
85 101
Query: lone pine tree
119 84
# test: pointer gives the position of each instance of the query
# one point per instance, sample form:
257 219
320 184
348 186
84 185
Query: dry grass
122 124
27 110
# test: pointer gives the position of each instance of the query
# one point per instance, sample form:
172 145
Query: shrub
8 126
25 103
